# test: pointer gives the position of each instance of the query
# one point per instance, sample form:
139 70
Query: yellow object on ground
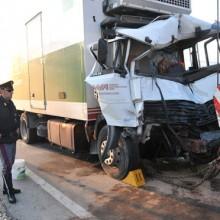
134 178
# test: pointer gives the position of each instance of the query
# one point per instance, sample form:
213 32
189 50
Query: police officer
9 125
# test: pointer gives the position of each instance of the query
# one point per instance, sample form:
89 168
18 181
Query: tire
28 135
122 159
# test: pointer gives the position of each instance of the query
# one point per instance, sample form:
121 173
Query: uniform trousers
7 155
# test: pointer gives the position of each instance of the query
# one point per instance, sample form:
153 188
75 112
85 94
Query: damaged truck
125 79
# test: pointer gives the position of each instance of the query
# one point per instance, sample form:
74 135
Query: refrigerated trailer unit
156 7
127 107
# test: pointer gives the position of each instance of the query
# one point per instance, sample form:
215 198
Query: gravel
4 215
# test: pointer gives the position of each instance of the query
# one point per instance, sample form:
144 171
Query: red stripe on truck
217 105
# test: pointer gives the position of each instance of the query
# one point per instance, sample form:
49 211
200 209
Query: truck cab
155 85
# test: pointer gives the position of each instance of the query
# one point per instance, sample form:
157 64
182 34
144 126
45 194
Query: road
67 187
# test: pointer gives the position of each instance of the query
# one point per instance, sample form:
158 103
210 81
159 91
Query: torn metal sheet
162 33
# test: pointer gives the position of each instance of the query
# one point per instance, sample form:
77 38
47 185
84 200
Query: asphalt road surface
67 187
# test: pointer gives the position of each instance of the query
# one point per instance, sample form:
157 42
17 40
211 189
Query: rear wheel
28 135
122 159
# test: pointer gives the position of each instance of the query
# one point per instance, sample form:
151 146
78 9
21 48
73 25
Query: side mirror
102 51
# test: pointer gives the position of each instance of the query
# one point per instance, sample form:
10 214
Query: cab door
35 62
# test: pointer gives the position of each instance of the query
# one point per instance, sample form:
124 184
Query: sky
204 9
11 12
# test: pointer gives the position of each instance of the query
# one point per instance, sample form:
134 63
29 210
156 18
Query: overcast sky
11 11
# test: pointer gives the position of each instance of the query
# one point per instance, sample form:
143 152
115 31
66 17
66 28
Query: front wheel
120 160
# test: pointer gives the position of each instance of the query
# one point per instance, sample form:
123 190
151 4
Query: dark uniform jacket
9 122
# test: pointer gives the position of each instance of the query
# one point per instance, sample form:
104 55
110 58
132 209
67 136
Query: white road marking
72 206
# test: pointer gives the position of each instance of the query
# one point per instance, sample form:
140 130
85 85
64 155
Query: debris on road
189 177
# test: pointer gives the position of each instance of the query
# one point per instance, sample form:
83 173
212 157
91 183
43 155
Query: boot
11 198
15 191
9 189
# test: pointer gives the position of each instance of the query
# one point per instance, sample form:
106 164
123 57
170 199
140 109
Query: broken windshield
181 59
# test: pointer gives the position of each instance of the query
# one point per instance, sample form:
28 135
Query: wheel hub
113 155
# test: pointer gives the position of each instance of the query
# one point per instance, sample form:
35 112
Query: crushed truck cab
123 88
161 96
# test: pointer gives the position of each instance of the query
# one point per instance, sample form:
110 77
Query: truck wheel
122 159
28 135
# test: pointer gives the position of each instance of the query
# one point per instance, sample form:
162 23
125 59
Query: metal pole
6 185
